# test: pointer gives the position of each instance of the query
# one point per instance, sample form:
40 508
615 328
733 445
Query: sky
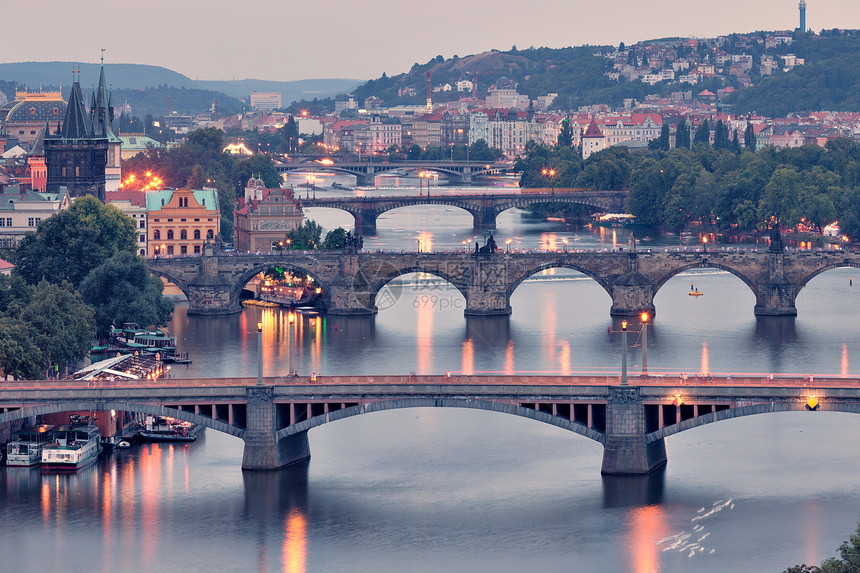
361 39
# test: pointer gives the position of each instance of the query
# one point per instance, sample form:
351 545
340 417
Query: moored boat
74 446
25 449
158 429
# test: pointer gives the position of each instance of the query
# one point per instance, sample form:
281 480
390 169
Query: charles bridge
356 283
273 415
484 208
458 172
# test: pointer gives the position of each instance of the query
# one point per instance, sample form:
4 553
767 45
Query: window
170 220
183 235
2 222
196 234
210 234
141 239
182 220
31 222
196 249
142 253
142 224
183 250
169 249
156 236
170 234
196 220
9 221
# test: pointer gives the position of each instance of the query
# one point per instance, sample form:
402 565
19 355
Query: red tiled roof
134 197
593 130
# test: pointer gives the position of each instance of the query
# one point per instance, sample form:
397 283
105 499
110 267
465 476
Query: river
426 490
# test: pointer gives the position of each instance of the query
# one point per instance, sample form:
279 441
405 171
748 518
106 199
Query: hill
127 78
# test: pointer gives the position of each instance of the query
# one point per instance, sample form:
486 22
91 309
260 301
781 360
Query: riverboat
74 446
615 219
158 429
134 338
25 449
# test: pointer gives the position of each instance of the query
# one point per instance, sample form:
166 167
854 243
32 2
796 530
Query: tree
19 355
749 137
122 290
62 324
306 237
335 239
703 134
565 137
68 245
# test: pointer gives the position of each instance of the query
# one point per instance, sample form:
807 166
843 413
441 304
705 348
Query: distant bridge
273 418
351 282
458 172
484 208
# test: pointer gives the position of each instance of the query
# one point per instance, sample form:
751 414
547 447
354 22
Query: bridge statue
489 248
776 245
353 243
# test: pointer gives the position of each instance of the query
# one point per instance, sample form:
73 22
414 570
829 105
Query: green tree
682 135
122 290
68 245
306 237
62 323
335 239
703 134
565 136
749 137
19 355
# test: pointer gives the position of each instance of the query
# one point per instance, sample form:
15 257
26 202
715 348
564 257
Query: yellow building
181 220
264 216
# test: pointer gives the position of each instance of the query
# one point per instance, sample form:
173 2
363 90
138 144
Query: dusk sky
222 40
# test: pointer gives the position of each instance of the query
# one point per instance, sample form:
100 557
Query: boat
25 449
695 293
123 444
74 446
159 429
137 339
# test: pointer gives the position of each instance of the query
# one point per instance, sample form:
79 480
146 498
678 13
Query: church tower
77 155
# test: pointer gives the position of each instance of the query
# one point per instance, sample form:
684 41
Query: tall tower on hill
802 8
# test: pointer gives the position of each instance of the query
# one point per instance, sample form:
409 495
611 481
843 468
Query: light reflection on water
466 490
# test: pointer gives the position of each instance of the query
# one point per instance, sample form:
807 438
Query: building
264 217
23 117
22 211
6 267
181 220
133 204
85 152
503 95
593 140
266 101
134 143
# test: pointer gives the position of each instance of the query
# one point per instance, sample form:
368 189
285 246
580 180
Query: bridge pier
632 294
775 299
346 300
365 221
211 299
484 219
625 451
263 449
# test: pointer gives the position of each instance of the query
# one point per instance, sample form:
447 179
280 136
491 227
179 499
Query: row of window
183 234
5 221
183 250
182 220
33 221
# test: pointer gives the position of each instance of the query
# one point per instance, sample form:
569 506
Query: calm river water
428 490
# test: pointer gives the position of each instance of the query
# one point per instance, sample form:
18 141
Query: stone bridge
273 418
357 284
484 208
458 172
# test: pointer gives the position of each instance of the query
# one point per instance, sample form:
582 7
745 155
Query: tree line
726 190
74 278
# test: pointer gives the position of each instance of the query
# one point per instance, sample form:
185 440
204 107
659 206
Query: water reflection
633 491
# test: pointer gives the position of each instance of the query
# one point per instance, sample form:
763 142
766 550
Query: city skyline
363 41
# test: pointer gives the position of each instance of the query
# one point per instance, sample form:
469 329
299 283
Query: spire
102 109
38 148
75 124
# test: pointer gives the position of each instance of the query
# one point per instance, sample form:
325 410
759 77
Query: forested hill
578 74
832 85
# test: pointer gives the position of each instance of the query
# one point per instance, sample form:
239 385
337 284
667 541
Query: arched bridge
273 418
459 172
353 284
484 208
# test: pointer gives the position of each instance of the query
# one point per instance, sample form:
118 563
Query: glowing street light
259 353
624 353
644 318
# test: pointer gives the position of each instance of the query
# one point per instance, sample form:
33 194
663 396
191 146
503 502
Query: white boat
74 446
25 449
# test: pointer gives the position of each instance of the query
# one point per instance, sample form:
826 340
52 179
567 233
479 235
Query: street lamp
259 353
624 353
705 244
291 320
644 343
508 245
550 174
564 240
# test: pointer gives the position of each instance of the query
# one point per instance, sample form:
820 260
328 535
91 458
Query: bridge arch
559 264
752 410
487 405
386 275
107 405
180 284
839 265
705 264
242 279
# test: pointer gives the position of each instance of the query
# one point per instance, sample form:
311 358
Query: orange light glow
468 360
647 527
295 543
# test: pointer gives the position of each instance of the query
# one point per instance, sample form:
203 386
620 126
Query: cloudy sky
361 39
